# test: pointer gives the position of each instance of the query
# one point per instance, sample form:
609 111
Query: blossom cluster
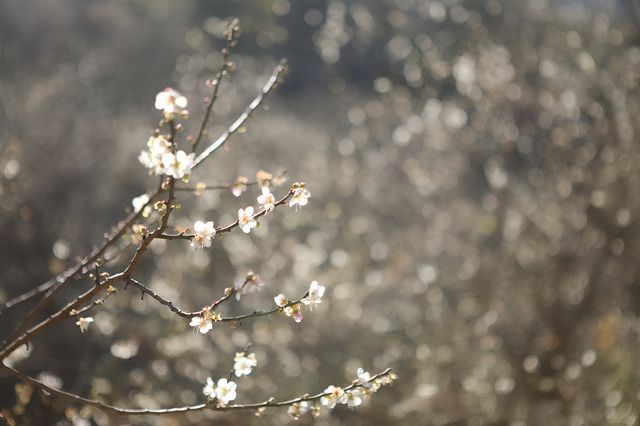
160 156
204 232
352 397
160 159
244 364
311 300
223 391
171 103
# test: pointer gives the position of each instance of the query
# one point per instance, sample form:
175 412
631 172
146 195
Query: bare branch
271 84
58 316
230 34
164 411
53 286
216 187
191 314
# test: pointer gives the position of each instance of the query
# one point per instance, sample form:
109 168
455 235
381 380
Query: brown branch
163 411
227 228
230 34
190 314
185 314
225 186
58 316
53 286
94 303
276 76
164 222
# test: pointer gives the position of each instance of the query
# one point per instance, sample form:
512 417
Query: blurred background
474 211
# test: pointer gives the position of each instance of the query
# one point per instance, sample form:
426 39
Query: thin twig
230 34
58 316
164 222
190 314
217 187
227 228
163 411
271 84
55 285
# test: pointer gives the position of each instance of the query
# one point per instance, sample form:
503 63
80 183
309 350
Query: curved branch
216 187
232 31
54 286
162 411
227 228
276 76
190 314
58 316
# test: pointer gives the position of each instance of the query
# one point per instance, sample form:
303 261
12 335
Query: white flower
210 389
267 200
364 378
354 398
245 219
83 323
225 391
290 311
281 300
204 232
203 323
151 158
139 203
170 102
335 395
300 197
316 291
179 164
297 409
294 311
242 365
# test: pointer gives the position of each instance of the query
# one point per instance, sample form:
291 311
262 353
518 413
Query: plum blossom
246 220
139 203
388 379
203 325
267 200
170 102
294 311
210 389
151 158
300 196
297 409
179 164
364 378
354 398
281 300
225 391
204 232
335 395
83 323
242 365
204 322
314 298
